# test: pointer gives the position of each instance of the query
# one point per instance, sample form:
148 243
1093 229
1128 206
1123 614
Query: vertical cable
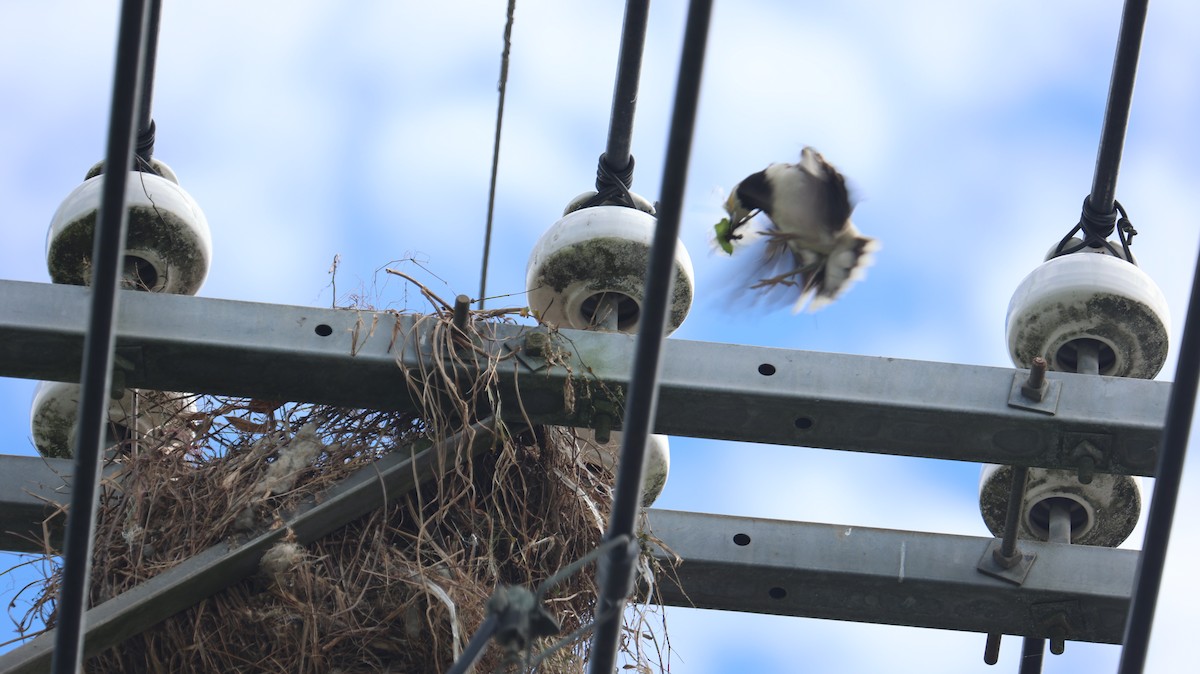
145 121
503 86
96 374
617 153
1099 214
1167 475
616 570
614 172
1033 651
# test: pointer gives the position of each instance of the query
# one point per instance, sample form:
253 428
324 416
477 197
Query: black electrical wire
1125 233
614 172
1099 217
491 210
501 615
1167 475
617 153
145 130
1033 651
479 641
96 374
616 574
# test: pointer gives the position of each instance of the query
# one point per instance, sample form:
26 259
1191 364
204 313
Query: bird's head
737 215
751 196
737 212
813 163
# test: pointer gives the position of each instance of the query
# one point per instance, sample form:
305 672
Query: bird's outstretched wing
836 199
767 272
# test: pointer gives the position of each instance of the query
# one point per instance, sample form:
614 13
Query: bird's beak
733 208
737 213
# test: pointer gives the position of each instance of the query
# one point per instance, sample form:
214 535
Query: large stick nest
399 590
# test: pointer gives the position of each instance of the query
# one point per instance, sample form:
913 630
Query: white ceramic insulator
1094 297
639 202
168 246
155 163
1103 512
600 253
55 411
1077 243
658 461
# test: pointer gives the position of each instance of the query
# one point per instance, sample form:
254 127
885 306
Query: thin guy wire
487 237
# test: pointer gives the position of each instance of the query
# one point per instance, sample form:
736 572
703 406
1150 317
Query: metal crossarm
884 576
837 572
713 390
32 490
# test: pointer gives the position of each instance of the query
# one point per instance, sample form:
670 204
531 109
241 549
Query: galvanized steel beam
816 570
890 577
724 391
32 490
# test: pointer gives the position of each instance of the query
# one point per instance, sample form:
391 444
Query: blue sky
968 132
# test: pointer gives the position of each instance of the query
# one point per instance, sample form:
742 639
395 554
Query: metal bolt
991 650
1037 373
462 307
536 343
1034 387
1058 629
602 422
1087 469
1007 555
1087 457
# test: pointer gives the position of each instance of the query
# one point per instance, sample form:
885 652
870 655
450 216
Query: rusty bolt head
1034 387
536 343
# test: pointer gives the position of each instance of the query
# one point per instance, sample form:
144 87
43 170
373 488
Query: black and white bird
812 251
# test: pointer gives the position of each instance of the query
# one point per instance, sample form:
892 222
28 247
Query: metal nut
536 343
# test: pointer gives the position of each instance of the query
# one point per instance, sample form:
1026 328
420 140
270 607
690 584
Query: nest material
399 590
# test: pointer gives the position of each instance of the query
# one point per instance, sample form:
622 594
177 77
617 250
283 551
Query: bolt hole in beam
766 369
803 423
323 330
741 539
777 593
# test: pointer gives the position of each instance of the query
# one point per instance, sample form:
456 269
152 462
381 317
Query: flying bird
812 251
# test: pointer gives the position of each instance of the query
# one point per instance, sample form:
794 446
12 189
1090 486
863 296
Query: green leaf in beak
725 235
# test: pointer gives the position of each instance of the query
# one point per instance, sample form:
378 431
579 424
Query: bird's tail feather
846 264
